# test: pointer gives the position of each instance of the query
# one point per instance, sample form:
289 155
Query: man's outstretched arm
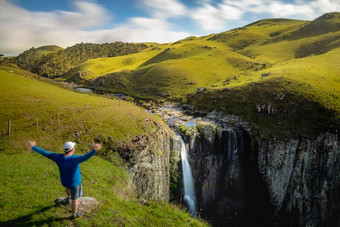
83 158
50 155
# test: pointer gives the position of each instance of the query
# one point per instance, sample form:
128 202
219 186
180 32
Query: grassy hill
100 66
293 56
178 70
30 182
245 53
43 50
291 59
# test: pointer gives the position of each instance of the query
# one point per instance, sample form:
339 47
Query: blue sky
27 23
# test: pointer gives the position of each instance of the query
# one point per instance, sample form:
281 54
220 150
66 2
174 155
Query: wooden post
38 125
85 106
97 104
73 113
3 135
9 127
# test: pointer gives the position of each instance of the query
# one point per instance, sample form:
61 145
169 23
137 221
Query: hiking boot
77 215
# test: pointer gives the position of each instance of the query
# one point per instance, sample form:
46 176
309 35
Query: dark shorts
76 192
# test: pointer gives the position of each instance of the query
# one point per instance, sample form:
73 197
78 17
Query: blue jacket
68 166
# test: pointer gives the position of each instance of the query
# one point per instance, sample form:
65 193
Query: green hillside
56 64
178 70
244 53
295 57
30 59
100 66
51 115
43 50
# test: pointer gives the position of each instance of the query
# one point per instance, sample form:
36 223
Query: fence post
38 125
9 127
85 106
3 135
73 112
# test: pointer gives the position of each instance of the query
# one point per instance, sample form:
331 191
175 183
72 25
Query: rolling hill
293 56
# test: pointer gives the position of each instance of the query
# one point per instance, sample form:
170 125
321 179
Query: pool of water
83 89
192 122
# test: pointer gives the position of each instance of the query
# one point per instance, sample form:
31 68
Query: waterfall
188 182
235 144
232 146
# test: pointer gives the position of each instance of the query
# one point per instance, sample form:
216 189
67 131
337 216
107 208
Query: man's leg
67 199
75 194
74 206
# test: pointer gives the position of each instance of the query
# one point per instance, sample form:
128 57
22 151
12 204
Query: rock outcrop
84 203
302 176
149 160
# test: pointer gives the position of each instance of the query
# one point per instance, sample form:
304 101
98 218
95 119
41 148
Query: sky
34 23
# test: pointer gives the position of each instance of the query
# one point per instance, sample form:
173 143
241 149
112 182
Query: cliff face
149 160
302 176
240 176
215 151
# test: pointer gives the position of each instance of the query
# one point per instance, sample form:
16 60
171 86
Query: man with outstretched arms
69 170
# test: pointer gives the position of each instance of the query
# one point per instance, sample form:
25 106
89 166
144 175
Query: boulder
84 203
87 203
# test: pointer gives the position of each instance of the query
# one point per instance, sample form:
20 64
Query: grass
256 33
43 50
30 182
101 66
178 70
291 114
27 100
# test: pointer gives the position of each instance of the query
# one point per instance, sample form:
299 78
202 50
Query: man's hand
97 146
30 144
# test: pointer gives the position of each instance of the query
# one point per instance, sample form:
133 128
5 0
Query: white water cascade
188 182
232 146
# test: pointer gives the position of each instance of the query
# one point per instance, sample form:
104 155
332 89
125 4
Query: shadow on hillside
25 220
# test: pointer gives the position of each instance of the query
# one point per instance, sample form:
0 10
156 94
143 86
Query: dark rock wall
215 155
242 179
302 176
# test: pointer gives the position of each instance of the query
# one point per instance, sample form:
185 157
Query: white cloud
325 6
164 9
141 29
213 18
279 9
21 29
